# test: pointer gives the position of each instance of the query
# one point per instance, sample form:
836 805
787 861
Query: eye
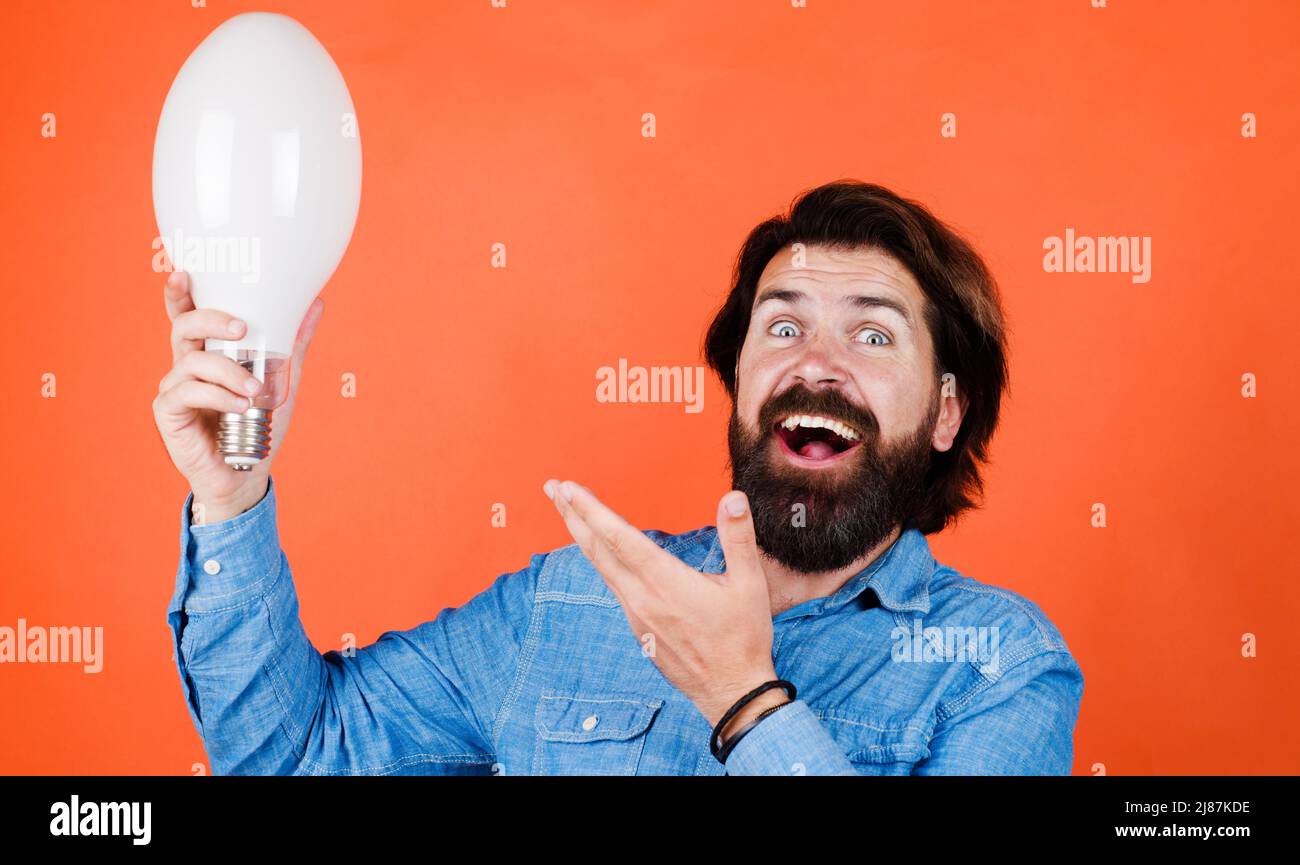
871 336
784 328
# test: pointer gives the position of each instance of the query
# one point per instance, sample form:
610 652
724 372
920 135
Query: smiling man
810 631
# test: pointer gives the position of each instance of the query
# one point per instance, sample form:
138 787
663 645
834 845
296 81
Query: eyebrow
862 301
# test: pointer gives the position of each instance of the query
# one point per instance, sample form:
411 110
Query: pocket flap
568 718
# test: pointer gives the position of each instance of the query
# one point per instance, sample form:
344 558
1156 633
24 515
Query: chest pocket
579 735
876 747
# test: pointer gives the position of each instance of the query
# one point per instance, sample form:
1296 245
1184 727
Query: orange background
522 126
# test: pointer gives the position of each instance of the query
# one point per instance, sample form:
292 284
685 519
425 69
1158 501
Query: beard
847 510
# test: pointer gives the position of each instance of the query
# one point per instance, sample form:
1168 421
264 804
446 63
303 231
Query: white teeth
816 421
844 431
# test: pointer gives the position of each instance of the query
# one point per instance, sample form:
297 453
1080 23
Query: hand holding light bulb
201 385
256 188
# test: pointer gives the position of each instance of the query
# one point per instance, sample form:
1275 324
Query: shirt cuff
790 741
227 564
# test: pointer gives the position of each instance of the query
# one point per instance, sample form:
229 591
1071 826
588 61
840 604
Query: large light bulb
256 184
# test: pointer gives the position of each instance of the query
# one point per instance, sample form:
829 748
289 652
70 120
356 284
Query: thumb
307 329
739 544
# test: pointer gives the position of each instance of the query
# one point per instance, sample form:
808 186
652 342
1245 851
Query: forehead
826 274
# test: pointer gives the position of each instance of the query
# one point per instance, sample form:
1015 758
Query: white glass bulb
256 185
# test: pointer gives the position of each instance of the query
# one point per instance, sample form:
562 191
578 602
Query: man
862 345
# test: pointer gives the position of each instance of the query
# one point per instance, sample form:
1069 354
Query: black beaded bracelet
715 744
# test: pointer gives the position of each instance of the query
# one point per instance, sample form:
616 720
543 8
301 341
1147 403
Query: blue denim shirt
541 673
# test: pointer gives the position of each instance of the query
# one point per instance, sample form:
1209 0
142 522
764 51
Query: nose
820 366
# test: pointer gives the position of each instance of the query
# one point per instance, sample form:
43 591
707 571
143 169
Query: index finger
176 294
628 543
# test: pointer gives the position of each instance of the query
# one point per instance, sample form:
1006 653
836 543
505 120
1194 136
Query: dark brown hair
963 314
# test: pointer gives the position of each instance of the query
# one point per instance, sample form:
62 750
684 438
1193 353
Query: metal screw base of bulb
244 438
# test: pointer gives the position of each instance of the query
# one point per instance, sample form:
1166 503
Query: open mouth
815 440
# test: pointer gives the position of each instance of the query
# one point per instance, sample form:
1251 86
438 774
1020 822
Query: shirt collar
900 576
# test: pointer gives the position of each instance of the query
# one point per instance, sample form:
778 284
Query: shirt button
590 723
212 566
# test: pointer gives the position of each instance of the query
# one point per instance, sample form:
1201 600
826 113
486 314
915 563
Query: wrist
208 511
722 697
747 713
755 707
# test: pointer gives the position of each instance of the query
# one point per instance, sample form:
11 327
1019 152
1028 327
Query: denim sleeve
1020 724
790 741
265 701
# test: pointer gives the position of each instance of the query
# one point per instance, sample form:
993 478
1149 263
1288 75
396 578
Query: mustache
798 399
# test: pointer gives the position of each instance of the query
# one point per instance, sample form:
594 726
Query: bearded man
810 631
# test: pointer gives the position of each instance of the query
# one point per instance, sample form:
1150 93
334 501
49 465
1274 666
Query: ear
952 408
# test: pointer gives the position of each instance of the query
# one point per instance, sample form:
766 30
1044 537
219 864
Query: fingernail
549 489
567 489
736 505
173 279
252 385
235 326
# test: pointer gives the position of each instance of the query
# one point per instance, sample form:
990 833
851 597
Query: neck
788 587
